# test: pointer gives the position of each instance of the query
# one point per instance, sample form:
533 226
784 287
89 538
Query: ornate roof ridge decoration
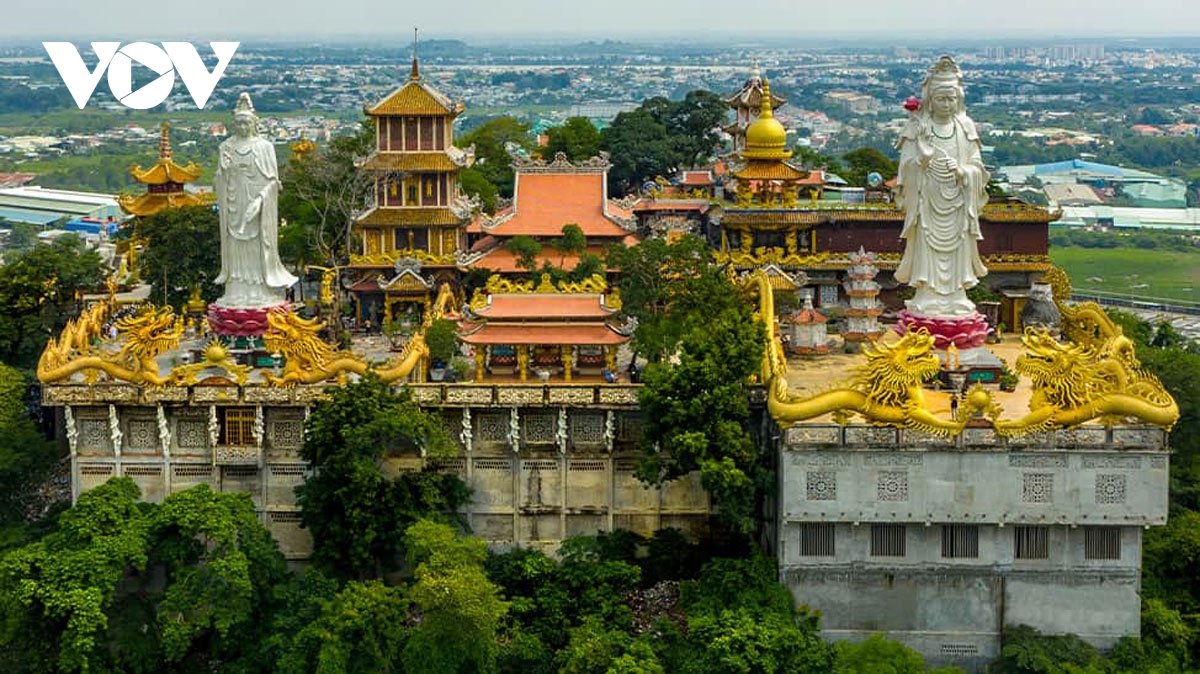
405 161
405 277
216 356
1096 377
165 170
80 347
750 95
560 164
498 285
390 258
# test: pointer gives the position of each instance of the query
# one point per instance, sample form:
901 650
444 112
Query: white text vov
172 57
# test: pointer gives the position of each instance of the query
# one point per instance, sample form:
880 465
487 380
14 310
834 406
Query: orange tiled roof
409 216
544 202
416 97
697 178
409 161
553 306
542 333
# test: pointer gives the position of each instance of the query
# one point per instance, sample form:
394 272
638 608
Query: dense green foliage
357 515
577 138
183 250
661 136
38 291
495 141
322 193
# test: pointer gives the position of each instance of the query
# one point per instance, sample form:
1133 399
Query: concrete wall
543 462
1092 489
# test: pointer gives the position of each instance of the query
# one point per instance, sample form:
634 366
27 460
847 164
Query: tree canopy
661 136
183 250
577 138
357 515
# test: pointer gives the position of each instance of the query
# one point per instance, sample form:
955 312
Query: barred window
1031 542
888 540
960 541
817 539
237 427
1101 543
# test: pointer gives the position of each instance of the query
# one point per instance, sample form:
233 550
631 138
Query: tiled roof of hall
549 195
416 98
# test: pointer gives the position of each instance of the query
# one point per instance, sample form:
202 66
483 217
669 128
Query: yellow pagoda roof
410 161
769 170
165 170
410 216
148 204
416 98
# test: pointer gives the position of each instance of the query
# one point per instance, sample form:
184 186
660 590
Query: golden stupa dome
766 138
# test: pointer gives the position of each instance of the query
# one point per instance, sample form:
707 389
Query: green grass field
1164 273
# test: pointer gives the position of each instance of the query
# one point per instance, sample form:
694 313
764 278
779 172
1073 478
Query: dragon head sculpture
149 334
1065 374
297 339
893 371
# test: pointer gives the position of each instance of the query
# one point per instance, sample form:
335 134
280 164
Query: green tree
572 242
57 592
356 515
696 412
474 183
877 655
361 629
864 161
661 136
38 290
670 288
577 138
459 608
493 141
183 250
526 249
221 564
321 194
25 455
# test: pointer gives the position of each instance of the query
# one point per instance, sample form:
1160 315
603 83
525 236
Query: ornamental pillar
480 362
610 358
566 359
523 362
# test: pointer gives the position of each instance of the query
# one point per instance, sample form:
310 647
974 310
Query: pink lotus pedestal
964 333
240 322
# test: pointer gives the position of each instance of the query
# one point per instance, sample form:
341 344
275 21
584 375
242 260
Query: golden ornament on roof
765 137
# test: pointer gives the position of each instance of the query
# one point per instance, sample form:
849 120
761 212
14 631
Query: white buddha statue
247 183
942 185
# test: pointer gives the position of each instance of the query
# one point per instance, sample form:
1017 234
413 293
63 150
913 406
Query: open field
1164 274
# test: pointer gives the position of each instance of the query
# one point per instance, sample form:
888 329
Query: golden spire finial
164 141
765 108
416 73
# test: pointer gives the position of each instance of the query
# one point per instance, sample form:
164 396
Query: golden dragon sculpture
309 360
1094 376
79 348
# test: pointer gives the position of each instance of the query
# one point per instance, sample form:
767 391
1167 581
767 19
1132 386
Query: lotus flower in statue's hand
912 104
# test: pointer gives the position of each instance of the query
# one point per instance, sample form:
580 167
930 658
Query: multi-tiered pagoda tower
419 214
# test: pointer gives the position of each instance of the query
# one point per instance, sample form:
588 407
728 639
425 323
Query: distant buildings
41 206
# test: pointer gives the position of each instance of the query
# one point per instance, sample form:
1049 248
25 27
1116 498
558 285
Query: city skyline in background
547 20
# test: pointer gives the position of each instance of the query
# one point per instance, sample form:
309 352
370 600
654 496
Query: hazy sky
127 20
